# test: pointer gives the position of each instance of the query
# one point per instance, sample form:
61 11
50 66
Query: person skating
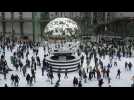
17 80
34 65
33 74
104 72
57 84
38 61
94 72
98 74
130 66
80 74
100 82
108 72
133 79
24 69
130 54
37 52
126 66
28 78
12 79
85 77
87 68
59 75
118 73
31 81
109 80
48 75
43 70
51 77
108 66
5 73
5 85
44 63
75 82
28 63
27 53
66 76
82 60
80 84
50 69
90 76
21 65
101 63
16 66
96 60
115 63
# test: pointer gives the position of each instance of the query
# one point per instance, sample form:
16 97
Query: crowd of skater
114 50
97 50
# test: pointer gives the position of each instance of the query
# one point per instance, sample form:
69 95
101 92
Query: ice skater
126 66
118 73
66 74
28 78
100 82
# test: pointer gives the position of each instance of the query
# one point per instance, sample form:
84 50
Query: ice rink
43 81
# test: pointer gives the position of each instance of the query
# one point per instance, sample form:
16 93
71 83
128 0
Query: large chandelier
62 27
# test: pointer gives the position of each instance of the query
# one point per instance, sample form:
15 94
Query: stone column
106 17
12 24
21 24
38 31
36 26
3 24
92 17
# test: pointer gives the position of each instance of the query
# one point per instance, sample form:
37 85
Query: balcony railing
15 20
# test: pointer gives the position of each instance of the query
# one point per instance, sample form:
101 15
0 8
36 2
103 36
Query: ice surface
42 81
